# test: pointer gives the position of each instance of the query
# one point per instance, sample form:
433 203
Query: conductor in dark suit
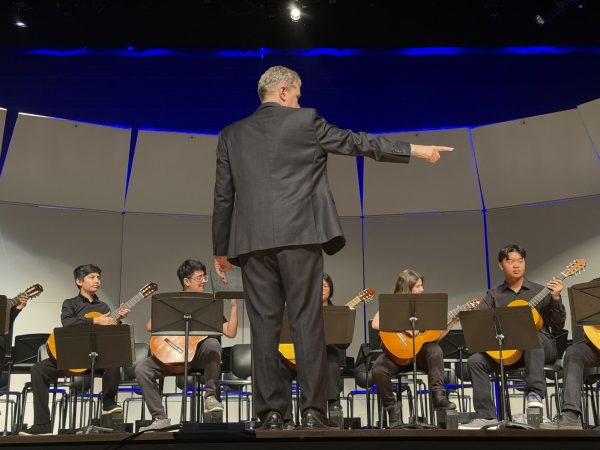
274 215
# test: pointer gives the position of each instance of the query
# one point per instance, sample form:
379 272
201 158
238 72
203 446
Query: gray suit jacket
271 186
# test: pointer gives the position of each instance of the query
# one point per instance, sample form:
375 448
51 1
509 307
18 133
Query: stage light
295 12
19 23
539 20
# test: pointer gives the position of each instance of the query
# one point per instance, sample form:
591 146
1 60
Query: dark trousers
430 358
273 278
45 373
577 357
207 357
481 366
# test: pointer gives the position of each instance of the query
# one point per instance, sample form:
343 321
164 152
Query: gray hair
275 76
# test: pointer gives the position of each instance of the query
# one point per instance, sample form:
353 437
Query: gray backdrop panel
447 249
172 173
590 115
64 163
449 185
343 181
44 245
536 159
553 235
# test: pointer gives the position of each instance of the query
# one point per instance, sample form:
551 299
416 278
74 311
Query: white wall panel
449 185
44 245
65 163
553 236
173 173
536 159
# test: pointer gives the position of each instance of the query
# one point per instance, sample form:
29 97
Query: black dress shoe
271 421
314 420
440 401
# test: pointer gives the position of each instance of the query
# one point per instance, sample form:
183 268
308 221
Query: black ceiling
326 23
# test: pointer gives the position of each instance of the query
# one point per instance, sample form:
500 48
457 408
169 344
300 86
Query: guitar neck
14 301
542 294
355 301
127 305
454 312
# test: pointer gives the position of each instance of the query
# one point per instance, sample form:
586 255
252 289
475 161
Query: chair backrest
241 360
26 350
141 352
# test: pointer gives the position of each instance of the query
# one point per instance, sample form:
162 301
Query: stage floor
299 439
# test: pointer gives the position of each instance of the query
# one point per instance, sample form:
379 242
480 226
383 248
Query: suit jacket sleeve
346 142
224 198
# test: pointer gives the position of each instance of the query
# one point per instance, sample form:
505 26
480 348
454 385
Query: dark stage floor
349 439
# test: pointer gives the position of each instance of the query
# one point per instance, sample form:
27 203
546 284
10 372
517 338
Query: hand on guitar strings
123 313
105 319
555 285
23 298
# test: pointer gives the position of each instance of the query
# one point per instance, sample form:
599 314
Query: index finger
444 149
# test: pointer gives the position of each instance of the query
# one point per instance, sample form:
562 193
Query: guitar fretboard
127 305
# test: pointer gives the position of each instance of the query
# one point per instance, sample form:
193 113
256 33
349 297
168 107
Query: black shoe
335 407
37 430
440 401
314 420
271 421
111 408
289 425
394 413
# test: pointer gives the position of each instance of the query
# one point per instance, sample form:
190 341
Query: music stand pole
183 417
90 428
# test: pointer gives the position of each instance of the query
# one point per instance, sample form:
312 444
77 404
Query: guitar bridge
174 346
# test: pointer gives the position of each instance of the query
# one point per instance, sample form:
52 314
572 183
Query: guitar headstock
149 289
472 304
367 295
575 268
34 291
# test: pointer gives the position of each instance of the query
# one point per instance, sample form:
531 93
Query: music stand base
508 425
415 425
94 429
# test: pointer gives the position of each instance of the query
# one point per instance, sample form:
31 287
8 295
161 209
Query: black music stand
186 314
4 315
399 312
584 300
501 329
93 347
454 347
338 323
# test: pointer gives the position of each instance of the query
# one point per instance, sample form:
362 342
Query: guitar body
399 346
169 350
592 332
289 356
512 356
51 345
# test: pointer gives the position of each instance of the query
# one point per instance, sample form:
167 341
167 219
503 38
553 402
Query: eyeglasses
202 279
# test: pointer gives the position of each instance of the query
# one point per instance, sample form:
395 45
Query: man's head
192 275
280 85
87 277
511 260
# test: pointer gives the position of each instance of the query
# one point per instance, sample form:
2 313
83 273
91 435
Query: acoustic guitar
143 293
30 292
399 345
169 350
512 356
287 350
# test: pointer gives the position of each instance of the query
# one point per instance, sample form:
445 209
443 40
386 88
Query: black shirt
74 310
552 311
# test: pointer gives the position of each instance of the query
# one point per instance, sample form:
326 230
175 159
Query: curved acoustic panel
343 181
448 249
449 185
553 235
590 115
65 163
2 122
536 159
172 173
